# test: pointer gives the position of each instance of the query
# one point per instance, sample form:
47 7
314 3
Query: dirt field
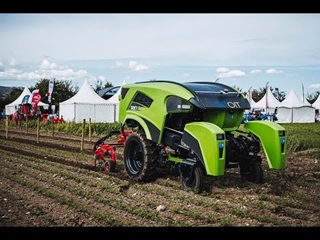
54 183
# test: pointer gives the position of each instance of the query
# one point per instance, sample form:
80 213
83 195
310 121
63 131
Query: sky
240 50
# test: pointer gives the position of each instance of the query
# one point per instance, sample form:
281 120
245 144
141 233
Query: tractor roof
206 95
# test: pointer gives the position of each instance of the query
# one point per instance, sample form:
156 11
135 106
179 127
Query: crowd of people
260 114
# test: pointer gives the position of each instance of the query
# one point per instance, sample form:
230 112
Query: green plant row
300 136
97 129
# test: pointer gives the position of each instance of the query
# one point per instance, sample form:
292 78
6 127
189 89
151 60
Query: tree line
63 90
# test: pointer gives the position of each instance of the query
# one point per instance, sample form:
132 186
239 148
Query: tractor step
232 165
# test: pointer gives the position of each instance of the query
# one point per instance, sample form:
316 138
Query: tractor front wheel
196 181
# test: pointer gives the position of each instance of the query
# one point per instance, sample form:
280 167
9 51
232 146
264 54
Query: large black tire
140 157
252 173
196 182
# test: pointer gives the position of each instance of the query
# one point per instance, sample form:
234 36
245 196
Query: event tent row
87 104
290 110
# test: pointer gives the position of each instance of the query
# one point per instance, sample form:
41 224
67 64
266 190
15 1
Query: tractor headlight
282 133
184 107
220 136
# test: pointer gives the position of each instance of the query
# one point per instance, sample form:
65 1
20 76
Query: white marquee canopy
87 104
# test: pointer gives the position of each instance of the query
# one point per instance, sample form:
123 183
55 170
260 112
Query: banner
276 91
53 108
36 98
249 95
50 90
267 97
302 93
25 99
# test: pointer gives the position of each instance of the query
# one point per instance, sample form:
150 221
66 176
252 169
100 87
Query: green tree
98 86
257 94
13 95
63 90
239 89
313 97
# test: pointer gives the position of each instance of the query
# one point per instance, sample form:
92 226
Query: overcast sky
243 50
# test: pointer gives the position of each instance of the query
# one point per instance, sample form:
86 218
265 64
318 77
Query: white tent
262 103
316 103
115 97
293 110
115 100
87 104
11 108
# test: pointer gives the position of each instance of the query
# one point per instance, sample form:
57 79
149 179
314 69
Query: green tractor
194 128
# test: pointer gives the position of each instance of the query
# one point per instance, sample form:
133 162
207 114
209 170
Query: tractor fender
141 122
208 142
273 141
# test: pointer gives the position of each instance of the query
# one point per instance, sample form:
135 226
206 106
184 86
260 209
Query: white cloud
222 70
316 85
273 71
227 73
134 65
47 65
13 71
102 78
46 70
13 62
254 71
186 75
118 64
253 39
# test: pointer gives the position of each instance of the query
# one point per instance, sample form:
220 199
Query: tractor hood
210 95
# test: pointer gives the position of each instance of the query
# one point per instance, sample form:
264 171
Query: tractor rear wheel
196 181
140 157
252 173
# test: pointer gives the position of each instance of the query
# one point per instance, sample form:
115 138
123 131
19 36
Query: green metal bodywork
149 103
157 112
272 141
210 150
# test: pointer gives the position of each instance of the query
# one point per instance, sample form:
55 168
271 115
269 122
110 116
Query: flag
276 90
302 93
25 99
50 90
267 97
36 98
249 95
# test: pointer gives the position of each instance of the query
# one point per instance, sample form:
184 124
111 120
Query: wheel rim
134 158
107 167
189 183
110 166
195 182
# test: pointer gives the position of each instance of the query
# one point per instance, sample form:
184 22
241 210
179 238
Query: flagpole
302 93
267 97
249 97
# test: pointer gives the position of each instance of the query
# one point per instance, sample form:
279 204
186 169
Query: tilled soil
50 181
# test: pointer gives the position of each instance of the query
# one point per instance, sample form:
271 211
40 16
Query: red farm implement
104 156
